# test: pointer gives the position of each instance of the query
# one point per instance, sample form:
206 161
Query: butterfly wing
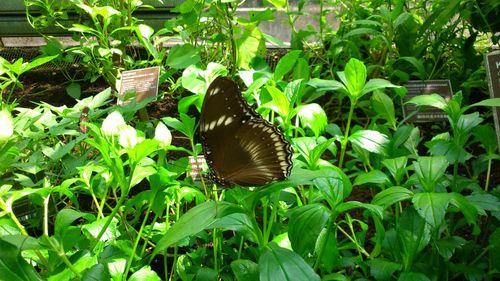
239 145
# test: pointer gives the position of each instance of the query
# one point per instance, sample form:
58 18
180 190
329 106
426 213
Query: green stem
62 255
139 237
108 221
488 174
346 135
272 218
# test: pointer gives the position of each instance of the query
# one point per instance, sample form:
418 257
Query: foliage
370 196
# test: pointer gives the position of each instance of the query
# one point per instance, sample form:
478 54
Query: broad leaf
372 141
286 64
182 56
282 264
13 266
245 270
432 206
392 195
304 227
195 220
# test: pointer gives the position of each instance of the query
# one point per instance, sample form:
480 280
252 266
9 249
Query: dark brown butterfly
240 146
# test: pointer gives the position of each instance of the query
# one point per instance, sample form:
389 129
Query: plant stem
108 221
488 174
346 135
272 218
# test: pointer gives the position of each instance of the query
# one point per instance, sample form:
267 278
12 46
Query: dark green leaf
392 195
382 269
245 270
285 64
13 266
373 176
182 56
432 206
195 220
304 227
279 264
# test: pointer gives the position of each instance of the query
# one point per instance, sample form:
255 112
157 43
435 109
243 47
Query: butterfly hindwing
239 145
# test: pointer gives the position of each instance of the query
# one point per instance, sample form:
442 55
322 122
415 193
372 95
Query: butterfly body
240 146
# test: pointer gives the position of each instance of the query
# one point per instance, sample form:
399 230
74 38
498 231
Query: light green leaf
433 100
145 274
354 77
488 102
279 102
249 45
372 141
312 116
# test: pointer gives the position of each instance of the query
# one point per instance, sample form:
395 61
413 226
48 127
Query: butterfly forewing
240 146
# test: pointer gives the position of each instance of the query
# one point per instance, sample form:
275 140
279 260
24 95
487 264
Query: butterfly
239 145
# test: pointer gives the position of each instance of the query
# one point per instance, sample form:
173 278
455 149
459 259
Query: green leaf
286 64
36 62
392 195
429 170
305 225
95 227
488 102
195 220
376 84
58 151
66 217
397 167
487 136
96 273
372 141
145 274
382 105
433 100
447 246
373 176
13 266
354 77
282 264
278 3
413 276
334 185
413 235
382 269
327 85
245 270
313 116
279 102
182 56
494 248
468 209
432 206
240 223
249 45
349 205
74 90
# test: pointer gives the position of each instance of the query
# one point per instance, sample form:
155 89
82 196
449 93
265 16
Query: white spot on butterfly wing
228 121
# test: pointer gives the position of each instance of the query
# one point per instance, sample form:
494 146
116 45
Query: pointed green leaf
432 206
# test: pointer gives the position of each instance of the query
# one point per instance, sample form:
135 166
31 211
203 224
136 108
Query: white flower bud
163 135
6 126
110 125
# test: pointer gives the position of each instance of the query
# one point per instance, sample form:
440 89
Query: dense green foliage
370 196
